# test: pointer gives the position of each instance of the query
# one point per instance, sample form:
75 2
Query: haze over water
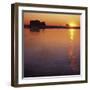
51 52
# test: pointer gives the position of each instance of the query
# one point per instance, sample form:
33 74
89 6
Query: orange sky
52 19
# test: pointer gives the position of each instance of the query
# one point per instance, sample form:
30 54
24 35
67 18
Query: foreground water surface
51 52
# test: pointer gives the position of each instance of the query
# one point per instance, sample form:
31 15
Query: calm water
51 52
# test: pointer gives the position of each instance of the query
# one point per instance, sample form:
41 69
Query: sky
52 18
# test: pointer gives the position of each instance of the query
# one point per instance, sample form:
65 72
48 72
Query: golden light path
71 31
71 50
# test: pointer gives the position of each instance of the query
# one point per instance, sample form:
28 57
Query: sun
72 24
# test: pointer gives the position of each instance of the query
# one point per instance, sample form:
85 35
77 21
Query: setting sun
72 24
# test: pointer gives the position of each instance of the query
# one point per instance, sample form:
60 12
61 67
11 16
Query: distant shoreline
48 26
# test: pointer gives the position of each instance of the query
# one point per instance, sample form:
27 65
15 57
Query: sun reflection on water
72 33
71 51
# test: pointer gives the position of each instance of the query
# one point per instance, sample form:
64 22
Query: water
51 52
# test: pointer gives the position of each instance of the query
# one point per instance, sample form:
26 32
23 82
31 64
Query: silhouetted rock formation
36 25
